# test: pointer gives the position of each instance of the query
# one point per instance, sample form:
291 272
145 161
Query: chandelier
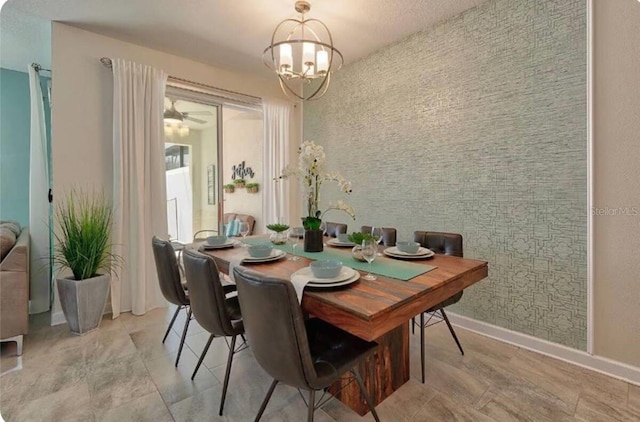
303 56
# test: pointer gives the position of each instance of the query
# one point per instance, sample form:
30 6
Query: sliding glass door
191 164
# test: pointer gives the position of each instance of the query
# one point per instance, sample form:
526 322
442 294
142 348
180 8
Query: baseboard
622 371
57 318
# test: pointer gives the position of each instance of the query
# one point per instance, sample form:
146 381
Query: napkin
299 283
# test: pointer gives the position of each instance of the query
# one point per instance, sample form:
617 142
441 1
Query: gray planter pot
83 302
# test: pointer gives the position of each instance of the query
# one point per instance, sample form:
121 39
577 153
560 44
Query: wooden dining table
374 311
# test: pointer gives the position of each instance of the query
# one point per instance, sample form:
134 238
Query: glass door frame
183 94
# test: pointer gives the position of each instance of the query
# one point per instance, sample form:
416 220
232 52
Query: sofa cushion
7 241
12 225
232 229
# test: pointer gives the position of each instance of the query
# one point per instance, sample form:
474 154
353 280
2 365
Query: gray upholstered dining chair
333 229
309 355
216 313
445 244
389 234
171 286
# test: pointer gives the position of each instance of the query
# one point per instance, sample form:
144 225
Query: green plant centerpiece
279 235
310 170
229 188
357 238
83 247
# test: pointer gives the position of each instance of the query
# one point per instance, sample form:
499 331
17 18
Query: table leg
383 372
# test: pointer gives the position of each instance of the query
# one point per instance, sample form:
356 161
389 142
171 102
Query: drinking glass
376 233
244 231
294 238
369 250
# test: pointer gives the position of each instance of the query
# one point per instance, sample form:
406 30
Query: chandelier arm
288 91
324 84
333 49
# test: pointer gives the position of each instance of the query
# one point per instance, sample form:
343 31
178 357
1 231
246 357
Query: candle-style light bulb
322 61
286 58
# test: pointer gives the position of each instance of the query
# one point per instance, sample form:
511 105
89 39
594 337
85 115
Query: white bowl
216 240
325 268
260 251
408 247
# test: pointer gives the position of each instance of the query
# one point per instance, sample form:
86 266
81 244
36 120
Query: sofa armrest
14 289
18 258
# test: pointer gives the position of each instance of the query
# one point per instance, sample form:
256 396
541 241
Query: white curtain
139 187
39 184
275 204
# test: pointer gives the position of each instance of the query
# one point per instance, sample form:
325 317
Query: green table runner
388 267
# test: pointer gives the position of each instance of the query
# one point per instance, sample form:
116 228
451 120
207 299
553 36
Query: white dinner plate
275 255
227 244
345 274
337 243
422 253
350 280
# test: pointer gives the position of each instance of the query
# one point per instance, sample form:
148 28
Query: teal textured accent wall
478 126
15 122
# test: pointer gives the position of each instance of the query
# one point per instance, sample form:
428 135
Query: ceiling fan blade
193 119
199 113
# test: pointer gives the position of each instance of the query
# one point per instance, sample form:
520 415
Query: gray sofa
14 290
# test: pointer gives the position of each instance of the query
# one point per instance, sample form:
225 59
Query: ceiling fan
173 116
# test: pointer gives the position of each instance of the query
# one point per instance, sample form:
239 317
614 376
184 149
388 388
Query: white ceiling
24 39
232 34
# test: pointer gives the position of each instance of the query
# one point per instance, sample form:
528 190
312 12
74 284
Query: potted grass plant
252 187
229 188
239 183
83 247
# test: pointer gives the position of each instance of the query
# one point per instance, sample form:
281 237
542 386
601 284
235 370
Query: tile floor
123 372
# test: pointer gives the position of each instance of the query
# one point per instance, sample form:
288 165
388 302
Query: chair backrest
275 328
440 242
227 218
334 229
206 293
168 272
203 234
389 234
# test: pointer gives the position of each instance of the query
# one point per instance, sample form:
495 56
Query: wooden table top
369 309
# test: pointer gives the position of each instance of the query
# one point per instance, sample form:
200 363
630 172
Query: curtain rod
106 61
38 68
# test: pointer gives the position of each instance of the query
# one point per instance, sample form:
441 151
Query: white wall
243 141
83 92
616 124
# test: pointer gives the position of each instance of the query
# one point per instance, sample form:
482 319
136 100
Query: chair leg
453 333
226 373
175 315
204 353
365 393
184 336
413 325
311 406
263 406
422 345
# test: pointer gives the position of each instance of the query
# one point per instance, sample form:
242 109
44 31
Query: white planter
83 302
